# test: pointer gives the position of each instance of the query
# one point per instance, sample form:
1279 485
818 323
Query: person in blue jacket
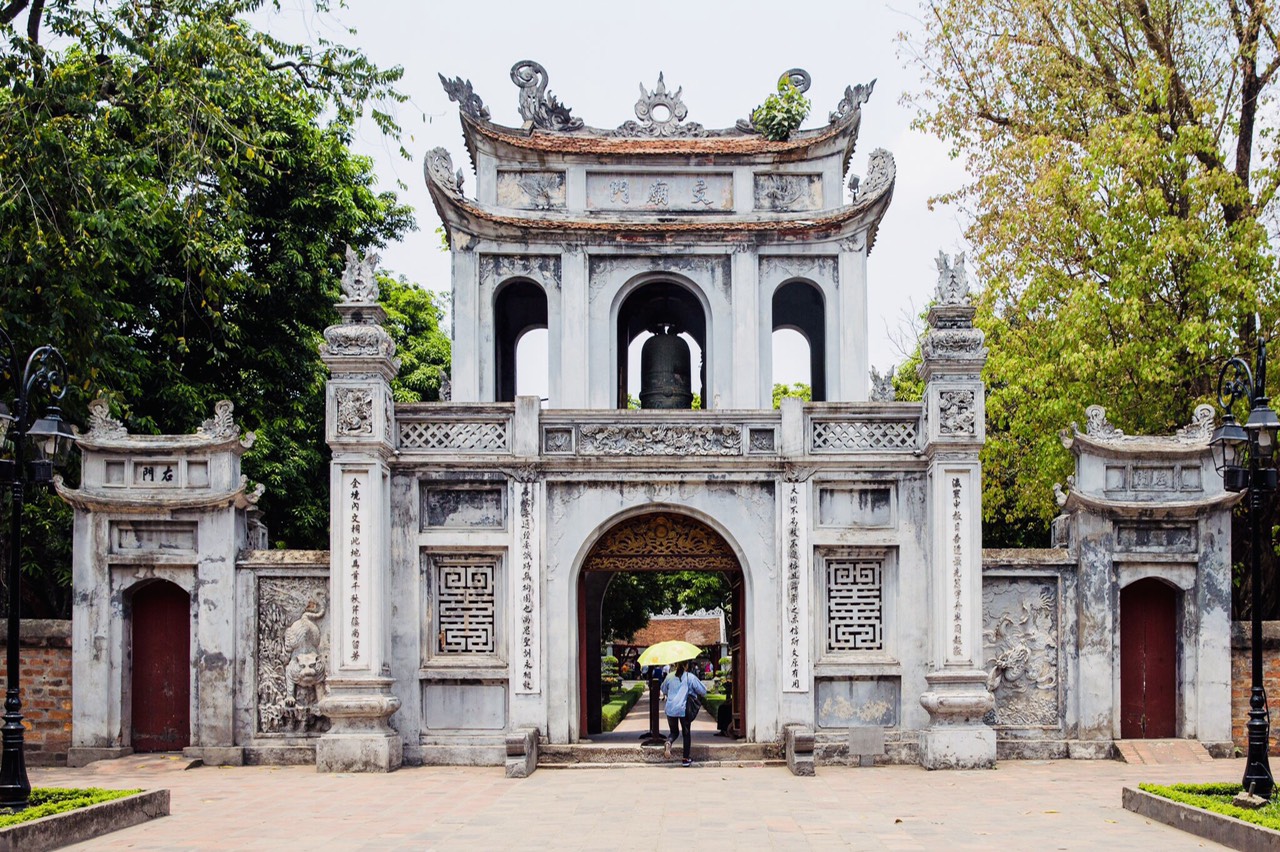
677 689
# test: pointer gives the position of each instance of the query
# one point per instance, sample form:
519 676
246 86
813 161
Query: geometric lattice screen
466 605
855 605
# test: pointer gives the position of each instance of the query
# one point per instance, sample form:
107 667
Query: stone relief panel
293 654
659 440
465 508
869 507
956 414
660 192
709 272
355 411
846 703
1020 649
529 190
542 268
776 269
786 193
463 601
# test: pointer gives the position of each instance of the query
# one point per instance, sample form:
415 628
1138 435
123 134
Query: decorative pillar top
952 346
359 344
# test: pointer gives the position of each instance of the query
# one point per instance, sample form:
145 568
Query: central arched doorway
662 541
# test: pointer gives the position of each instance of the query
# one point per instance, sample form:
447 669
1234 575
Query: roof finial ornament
660 113
953 284
854 98
460 92
359 277
538 108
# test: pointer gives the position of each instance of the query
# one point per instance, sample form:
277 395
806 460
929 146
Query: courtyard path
1040 805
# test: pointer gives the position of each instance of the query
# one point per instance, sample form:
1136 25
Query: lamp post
1245 456
44 373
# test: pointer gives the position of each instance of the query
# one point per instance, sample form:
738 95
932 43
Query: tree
799 390
1125 176
634 596
413 321
176 195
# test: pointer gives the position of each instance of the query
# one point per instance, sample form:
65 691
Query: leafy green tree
176 194
632 597
799 390
413 321
1125 173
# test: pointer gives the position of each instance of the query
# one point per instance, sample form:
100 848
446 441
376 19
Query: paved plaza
1020 805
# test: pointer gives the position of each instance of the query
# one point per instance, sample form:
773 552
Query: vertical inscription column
957 698
798 565
360 429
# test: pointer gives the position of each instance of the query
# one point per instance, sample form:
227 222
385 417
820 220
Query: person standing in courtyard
682 690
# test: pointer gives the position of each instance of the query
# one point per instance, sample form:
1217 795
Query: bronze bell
665 380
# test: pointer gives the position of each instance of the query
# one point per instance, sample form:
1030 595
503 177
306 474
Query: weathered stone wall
46 689
1242 679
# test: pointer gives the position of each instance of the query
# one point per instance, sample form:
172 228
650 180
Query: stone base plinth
957 738
359 752
84 755
215 755
958 747
359 739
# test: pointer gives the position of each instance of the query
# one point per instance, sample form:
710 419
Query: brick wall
1242 680
45 688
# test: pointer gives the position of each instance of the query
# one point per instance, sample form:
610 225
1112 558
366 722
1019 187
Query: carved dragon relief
1021 649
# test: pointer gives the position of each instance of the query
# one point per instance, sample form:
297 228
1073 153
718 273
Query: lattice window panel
466 606
855 605
456 435
844 436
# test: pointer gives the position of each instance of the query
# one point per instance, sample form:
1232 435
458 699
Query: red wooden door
161 676
1148 660
738 654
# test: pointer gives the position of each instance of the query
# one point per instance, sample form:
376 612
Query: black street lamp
46 373
1245 456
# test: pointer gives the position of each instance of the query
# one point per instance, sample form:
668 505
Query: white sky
726 56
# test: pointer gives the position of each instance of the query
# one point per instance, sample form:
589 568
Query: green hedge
712 702
616 710
1217 798
46 801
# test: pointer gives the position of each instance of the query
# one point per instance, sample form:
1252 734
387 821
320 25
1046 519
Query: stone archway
656 541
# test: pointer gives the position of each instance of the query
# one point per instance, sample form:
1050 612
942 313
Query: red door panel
161 677
1148 660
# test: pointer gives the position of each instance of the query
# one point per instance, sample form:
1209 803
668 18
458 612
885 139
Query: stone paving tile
1036 805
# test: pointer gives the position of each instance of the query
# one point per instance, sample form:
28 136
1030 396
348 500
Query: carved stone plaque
476 508
659 192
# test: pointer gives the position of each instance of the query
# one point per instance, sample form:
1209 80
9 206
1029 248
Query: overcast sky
726 56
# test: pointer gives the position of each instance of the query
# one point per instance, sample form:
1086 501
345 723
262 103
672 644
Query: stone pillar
848 360
464 372
746 389
575 352
957 698
360 428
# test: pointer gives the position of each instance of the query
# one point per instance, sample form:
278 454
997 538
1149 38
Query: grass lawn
46 801
1217 798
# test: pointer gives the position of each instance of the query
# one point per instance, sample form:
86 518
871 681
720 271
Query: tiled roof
698 631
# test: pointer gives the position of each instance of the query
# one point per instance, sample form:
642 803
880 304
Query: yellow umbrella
671 651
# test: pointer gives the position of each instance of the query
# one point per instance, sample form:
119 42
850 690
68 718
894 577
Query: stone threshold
1229 831
58 830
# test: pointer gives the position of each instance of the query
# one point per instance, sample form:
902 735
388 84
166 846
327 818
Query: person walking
682 689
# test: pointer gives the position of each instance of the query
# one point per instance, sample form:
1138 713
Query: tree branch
33 21
13 10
